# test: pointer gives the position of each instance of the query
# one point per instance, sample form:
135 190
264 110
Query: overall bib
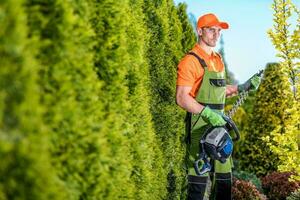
212 94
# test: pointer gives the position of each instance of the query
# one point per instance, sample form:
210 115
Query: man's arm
231 90
186 101
250 84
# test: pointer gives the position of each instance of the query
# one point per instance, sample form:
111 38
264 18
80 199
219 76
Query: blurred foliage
294 196
250 177
270 105
87 99
277 186
25 170
245 190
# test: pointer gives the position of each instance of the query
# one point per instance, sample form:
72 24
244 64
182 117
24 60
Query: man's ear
199 31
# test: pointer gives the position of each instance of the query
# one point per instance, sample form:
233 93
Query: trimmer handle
231 126
206 167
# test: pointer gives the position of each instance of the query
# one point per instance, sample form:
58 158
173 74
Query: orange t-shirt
190 72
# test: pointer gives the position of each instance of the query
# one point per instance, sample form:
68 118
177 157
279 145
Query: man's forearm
189 104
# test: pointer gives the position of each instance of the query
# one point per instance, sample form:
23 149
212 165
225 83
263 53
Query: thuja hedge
87 102
166 45
25 168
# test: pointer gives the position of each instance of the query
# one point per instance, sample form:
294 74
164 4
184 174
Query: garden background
87 103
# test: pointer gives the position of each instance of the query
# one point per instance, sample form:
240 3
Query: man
201 91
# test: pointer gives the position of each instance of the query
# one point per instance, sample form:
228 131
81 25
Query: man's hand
231 90
212 117
250 84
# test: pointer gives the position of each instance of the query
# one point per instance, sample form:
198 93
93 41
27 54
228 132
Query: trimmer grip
231 126
206 167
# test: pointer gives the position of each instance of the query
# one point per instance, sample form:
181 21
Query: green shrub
277 185
255 153
250 177
294 196
244 190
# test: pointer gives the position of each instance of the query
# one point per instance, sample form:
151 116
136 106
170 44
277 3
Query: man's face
210 35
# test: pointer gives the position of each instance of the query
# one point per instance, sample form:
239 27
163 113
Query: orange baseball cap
211 20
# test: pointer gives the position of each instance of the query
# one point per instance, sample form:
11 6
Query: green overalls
211 93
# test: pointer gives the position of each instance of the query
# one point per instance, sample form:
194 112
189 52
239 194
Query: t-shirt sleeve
187 72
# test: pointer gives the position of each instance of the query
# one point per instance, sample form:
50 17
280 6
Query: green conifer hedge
87 99
25 168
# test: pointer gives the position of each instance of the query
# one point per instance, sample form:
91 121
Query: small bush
244 190
277 185
294 196
247 176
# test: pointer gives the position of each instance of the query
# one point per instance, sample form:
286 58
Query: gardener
201 91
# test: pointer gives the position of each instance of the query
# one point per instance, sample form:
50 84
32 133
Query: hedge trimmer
216 142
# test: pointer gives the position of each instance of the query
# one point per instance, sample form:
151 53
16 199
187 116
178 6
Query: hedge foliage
285 36
26 171
87 102
271 102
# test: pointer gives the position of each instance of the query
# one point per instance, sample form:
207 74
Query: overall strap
189 115
188 127
201 61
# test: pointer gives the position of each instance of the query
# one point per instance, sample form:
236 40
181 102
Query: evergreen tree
88 144
285 138
147 160
284 141
188 36
163 53
110 22
285 42
25 170
271 102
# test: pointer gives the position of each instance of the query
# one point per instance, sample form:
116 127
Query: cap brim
223 25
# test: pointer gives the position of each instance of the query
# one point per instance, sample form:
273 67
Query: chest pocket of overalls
217 90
